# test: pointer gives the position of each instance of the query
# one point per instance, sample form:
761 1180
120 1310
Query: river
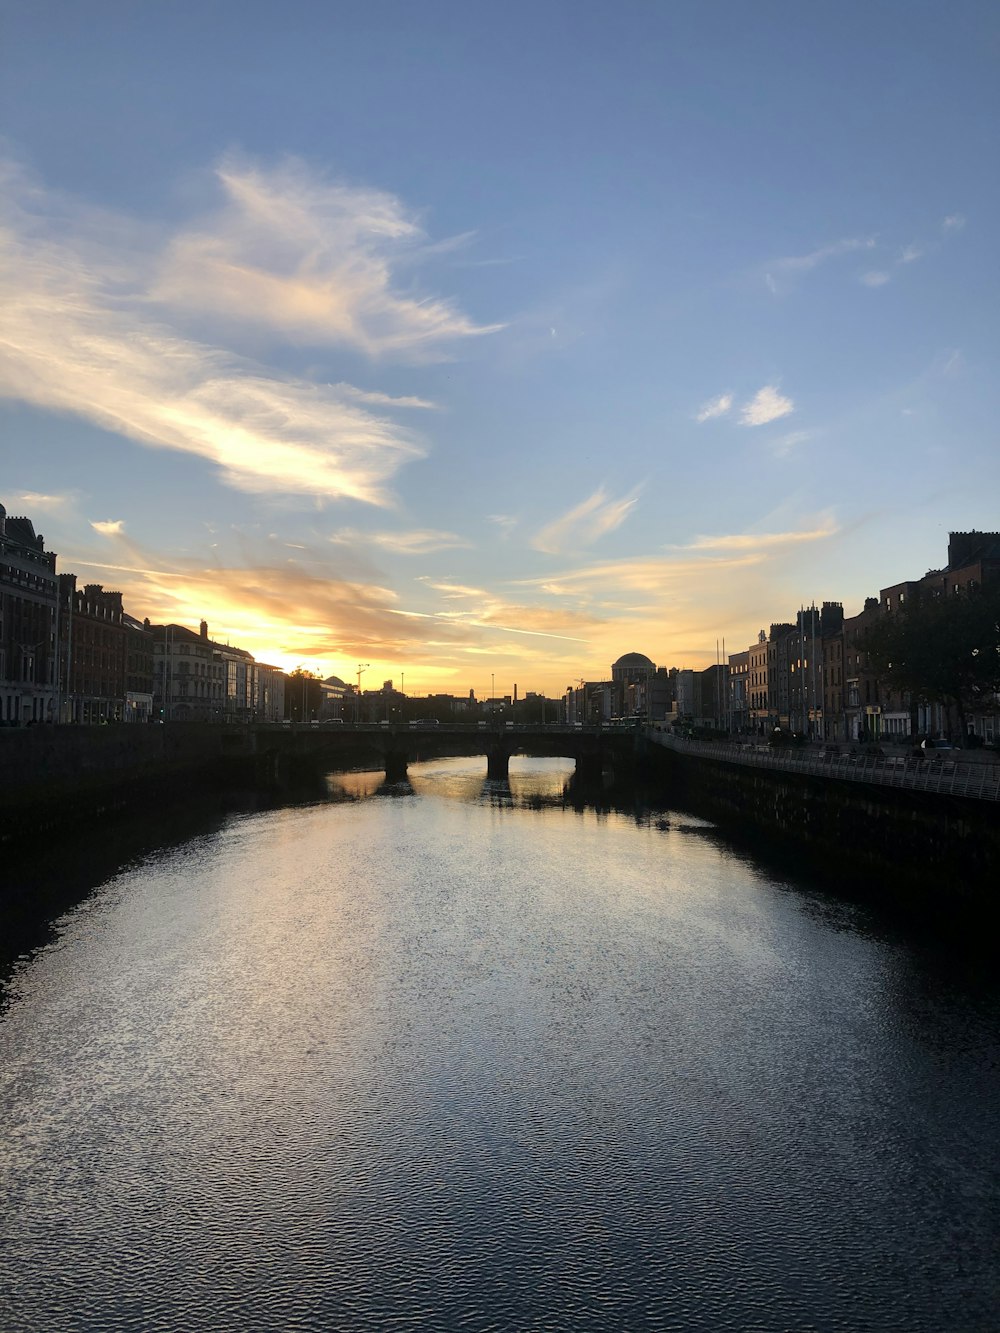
460 1056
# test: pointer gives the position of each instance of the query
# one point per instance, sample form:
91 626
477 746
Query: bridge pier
395 765
498 763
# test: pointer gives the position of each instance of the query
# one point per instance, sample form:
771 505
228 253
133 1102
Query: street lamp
362 666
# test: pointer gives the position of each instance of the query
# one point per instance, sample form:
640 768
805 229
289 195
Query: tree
943 649
303 695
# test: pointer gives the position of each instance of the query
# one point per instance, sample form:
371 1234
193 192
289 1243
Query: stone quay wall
55 776
939 847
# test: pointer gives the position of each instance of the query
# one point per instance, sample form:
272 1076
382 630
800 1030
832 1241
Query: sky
477 345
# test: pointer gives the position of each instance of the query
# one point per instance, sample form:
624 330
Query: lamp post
362 666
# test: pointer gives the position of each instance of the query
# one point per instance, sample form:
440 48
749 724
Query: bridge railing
463 728
946 776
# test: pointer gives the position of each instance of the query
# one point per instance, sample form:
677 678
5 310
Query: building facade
29 674
93 647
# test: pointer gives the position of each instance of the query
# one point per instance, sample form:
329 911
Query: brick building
93 648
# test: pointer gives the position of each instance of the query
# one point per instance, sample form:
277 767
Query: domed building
640 690
632 668
333 696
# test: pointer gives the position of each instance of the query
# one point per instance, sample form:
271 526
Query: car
936 743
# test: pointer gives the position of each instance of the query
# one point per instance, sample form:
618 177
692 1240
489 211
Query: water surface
456 1055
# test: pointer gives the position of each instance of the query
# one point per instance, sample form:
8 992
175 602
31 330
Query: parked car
936 743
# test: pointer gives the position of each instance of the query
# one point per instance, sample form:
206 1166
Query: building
93 647
591 701
29 615
862 706
739 691
833 686
688 695
196 679
714 691
780 649
805 673
336 700
269 703
633 679
241 697
760 715
138 670
189 679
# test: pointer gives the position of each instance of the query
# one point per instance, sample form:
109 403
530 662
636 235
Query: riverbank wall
943 850
56 777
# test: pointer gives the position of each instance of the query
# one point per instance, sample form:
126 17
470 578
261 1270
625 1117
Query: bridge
393 746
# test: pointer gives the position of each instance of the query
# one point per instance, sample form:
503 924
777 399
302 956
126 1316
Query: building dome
336 681
634 662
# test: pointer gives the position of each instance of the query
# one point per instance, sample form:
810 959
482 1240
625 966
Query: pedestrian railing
947 776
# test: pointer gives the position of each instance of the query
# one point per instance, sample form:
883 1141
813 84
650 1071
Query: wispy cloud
505 522
382 399
310 259
787 444
421 541
456 589
778 273
654 576
586 523
716 407
953 222
949 362
85 334
109 527
766 405
38 500
763 541
875 278
910 254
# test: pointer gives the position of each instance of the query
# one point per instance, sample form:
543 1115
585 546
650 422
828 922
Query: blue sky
479 341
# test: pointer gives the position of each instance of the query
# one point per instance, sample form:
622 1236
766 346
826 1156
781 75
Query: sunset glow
514 414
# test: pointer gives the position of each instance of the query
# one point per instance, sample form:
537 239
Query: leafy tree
943 650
